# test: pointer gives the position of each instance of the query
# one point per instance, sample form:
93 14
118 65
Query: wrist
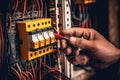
118 53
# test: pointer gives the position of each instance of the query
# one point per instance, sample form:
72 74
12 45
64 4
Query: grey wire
45 10
76 18
49 59
44 59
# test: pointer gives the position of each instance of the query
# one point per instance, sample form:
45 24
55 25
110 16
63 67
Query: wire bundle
31 73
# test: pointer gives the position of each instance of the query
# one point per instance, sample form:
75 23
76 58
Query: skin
98 52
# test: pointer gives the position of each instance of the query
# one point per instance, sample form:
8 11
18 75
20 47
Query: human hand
101 52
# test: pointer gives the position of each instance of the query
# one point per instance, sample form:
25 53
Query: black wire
45 9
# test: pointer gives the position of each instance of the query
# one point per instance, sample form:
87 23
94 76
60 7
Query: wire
38 6
26 75
40 71
24 8
21 72
56 72
29 73
49 57
16 6
19 68
2 43
21 4
23 77
33 70
16 73
45 10
31 4
41 3
10 22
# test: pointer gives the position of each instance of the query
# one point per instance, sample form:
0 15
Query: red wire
29 73
40 72
41 3
23 77
33 70
16 6
24 8
2 43
16 73
38 6
21 5
48 67
30 7
26 75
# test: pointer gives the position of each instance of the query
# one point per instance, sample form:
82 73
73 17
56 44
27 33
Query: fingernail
72 40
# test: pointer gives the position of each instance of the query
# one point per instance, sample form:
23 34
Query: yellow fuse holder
32 41
52 36
85 1
41 39
46 36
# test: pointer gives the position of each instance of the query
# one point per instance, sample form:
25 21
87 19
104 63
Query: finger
81 42
100 65
80 60
76 51
63 44
68 50
77 32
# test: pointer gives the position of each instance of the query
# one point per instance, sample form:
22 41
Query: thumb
81 42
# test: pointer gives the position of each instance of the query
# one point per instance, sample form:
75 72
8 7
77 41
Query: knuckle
78 41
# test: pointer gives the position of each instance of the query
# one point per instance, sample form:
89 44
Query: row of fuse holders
40 38
37 38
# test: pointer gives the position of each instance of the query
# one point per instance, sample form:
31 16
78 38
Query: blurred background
108 24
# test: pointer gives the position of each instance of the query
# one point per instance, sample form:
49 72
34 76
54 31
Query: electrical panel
30 50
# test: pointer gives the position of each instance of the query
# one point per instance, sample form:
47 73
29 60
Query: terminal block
52 36
85 1
36 37
32 25
33 41
30 55
46 36
41 38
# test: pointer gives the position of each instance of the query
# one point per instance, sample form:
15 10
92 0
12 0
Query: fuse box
36 38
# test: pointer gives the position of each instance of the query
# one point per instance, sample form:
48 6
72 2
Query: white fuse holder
46 36
52 36
41 39
33 41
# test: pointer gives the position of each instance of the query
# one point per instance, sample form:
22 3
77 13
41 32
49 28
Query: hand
100 52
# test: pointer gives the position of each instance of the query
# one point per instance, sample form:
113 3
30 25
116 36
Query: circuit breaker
37 38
